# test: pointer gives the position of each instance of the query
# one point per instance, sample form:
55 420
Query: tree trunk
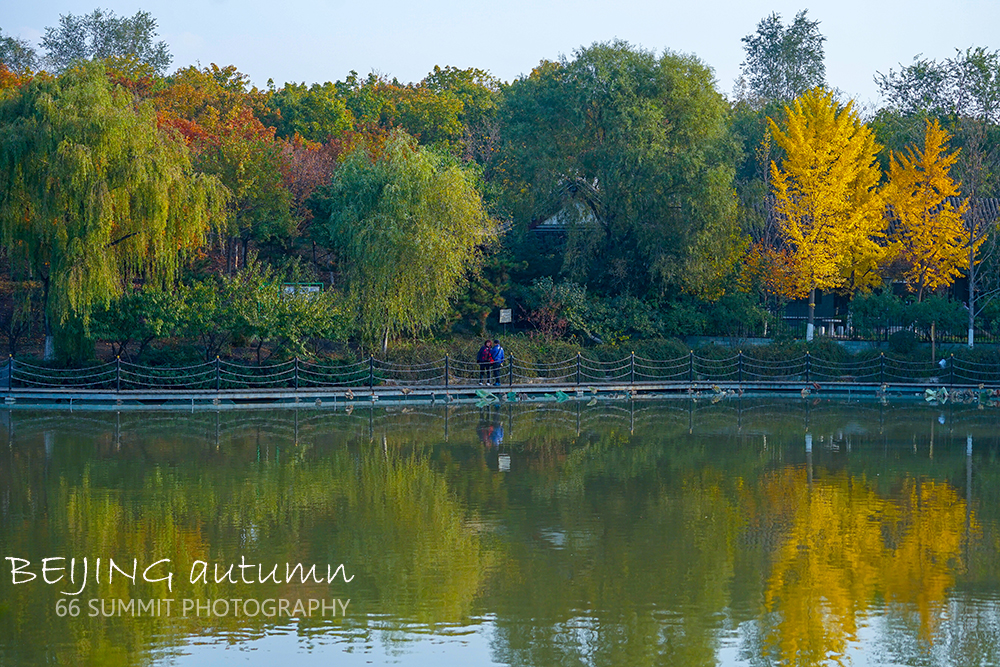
50 342
972 296
385 341
811 324
50 345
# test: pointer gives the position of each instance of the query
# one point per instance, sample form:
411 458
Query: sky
323 40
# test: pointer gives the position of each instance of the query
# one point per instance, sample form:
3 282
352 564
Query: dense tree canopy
634 149
93 194
616 170
315 113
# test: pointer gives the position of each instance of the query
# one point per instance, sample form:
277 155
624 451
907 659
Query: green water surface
674 533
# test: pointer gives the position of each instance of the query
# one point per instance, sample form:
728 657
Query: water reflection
633 534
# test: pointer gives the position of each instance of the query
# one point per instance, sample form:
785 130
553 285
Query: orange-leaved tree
930 233
829 210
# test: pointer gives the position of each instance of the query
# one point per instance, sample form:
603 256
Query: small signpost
505 318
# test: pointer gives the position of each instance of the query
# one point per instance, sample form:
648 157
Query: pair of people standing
490 358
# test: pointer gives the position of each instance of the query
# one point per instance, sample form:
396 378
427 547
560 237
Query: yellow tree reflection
926 549
846 547
827 568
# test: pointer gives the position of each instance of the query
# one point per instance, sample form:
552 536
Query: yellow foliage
830 212
930 234
928 549
827 570
845 546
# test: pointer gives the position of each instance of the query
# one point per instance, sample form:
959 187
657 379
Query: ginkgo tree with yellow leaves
829 210
929 237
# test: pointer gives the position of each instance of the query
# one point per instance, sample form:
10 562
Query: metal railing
448 372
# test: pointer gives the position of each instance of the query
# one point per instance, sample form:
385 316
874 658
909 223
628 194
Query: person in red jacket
485 359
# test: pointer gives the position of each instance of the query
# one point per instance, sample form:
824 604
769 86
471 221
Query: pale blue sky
321 40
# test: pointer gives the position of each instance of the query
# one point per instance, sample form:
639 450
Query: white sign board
505 317
302 288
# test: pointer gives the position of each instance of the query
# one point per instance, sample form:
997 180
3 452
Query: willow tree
408 226
829 211
94 195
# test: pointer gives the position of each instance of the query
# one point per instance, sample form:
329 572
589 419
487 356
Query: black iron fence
448 372
840 328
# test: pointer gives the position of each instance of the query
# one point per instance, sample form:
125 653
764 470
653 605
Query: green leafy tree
783 62
265 314
17 55
479 93
408 226
633 151
139 316
243 154
315 113
483 295
93 195
874 313
203 315
102 34
432 115
366 99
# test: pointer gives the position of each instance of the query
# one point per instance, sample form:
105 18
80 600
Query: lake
676 532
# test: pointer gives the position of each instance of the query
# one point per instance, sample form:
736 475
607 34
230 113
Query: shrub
903 342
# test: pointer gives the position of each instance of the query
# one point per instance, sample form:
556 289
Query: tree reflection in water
685 534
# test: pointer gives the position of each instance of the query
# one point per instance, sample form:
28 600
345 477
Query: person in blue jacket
497 353
496 436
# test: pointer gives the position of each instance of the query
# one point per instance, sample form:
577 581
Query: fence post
691 366
296 373
218 374
881 367
510 372
10 372
371 372
739 367
578 367
632 373
952 371
808 366
446 373
118 374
